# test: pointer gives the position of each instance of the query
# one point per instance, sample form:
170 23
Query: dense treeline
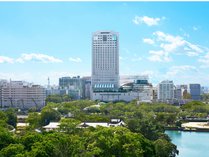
142 136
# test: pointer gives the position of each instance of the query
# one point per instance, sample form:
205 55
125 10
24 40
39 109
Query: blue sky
165 40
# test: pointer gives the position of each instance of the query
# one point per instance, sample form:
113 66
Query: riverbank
191 126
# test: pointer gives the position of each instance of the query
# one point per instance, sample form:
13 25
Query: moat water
190 144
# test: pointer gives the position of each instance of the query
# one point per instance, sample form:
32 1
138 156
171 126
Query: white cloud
185 74
4 59
204 60
37 57
194 28
136 59
191 54
174 70
77 59
148 73
159 56
122 58
170 44
147 20
148 41
17 76
185 34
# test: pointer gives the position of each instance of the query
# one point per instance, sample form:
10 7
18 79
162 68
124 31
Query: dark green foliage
196 109
165 149
119 142
11 116
58 98
12 150
5 138
49 114
142 136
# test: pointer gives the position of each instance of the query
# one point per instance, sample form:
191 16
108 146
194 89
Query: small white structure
52 126
92 106
22 125
113 123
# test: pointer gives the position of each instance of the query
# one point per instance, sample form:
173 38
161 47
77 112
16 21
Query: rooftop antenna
48 82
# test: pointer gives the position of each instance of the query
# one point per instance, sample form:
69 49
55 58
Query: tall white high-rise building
165 90
105 61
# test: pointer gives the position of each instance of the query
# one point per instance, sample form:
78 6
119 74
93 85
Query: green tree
11 117
5 138
44 148
3 119
49 114
56 98
12 150
29 139
205 97
165 148
34 120
118 141
69 125
186 95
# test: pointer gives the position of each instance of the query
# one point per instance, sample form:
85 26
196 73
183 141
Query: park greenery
142 136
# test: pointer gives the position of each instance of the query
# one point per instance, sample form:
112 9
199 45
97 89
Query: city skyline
53 39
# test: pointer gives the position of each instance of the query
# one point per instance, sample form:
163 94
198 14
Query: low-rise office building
195 91
20 94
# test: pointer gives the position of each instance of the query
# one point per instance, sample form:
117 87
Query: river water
190 144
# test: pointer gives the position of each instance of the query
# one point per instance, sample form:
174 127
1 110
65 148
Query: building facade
140 90
73 86
105 61
178 94
195 91
21 95
144 89
87 87
165 91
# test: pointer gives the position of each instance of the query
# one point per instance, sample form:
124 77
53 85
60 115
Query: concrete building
124 79
105 72
87 87
73 86
105 61
21 94
140 90
195 91
178 94
154 94
165 91
52 90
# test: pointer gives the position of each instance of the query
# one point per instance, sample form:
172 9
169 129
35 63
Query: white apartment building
21 94
165 91
105 61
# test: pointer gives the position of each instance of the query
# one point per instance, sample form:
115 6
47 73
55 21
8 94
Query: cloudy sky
166 40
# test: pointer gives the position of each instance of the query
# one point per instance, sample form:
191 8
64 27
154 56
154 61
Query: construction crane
23 105
10 98
35 103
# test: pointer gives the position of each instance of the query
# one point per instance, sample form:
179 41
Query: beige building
21 95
